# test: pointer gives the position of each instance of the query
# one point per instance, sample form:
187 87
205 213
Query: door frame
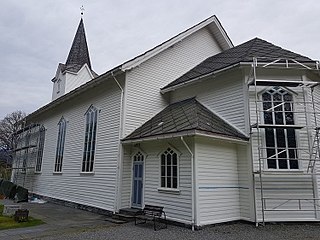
132 178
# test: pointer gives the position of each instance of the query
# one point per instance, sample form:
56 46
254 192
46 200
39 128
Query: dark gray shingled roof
186 115
242 53
79 53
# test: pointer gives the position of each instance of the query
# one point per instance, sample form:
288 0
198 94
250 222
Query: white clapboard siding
143 97
126 179
315 121
224 95
97 189
74 80
286 187
218 182
245 182
59 92
176 206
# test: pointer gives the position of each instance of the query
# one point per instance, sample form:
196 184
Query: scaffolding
303 111
26 155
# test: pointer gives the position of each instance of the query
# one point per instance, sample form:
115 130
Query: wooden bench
151 213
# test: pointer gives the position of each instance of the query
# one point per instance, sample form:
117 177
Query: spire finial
82 10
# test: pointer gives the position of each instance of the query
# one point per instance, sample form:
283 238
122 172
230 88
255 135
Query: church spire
79 54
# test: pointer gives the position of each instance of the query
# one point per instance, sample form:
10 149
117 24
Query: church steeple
77 70
79 53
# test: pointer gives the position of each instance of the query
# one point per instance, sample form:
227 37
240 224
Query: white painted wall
223 94
93 189
143 98
74 80
176 206
218 181
70 81
56 92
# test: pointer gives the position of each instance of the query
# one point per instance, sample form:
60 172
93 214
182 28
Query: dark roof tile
242 53
79 53
184 116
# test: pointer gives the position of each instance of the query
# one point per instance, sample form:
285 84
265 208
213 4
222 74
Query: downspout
193 199
119 161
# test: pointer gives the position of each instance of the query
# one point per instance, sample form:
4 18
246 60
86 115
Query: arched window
90 139
42 133
281 146
60 144
169 169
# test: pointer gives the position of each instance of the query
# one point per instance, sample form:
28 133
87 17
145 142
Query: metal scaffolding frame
25 154
310 127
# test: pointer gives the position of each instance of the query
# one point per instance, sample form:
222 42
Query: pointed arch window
169 169
60 144
42 132
91 117
281 145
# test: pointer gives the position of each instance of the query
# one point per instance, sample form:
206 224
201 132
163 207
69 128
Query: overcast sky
36 35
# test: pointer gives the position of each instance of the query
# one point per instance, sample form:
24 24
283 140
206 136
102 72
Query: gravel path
225 231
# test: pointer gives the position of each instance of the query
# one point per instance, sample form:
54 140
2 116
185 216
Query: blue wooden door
137 185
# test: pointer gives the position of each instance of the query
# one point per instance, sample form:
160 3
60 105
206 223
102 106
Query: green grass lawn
8 222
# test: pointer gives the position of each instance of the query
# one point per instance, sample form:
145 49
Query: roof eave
193 80
94 82
224 35
186 133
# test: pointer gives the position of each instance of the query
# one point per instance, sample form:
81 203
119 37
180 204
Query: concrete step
123 217
129 211
116 221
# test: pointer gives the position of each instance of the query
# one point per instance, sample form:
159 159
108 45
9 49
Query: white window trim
42 151
64 141
96 137
165 189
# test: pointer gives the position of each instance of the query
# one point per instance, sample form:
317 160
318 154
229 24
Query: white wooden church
211 131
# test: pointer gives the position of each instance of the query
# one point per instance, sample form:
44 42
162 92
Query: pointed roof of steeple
79 53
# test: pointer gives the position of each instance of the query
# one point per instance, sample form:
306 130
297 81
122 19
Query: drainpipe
119 162
193 199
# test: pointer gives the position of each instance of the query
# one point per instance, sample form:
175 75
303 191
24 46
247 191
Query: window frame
40 150
59 86
62 128
166 188
89 169
263 135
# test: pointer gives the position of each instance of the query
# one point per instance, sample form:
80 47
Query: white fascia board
163 46
224 34
193 80
189 133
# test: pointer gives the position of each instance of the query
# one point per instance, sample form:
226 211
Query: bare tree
8 126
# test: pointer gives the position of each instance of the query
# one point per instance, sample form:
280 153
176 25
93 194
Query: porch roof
188 117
